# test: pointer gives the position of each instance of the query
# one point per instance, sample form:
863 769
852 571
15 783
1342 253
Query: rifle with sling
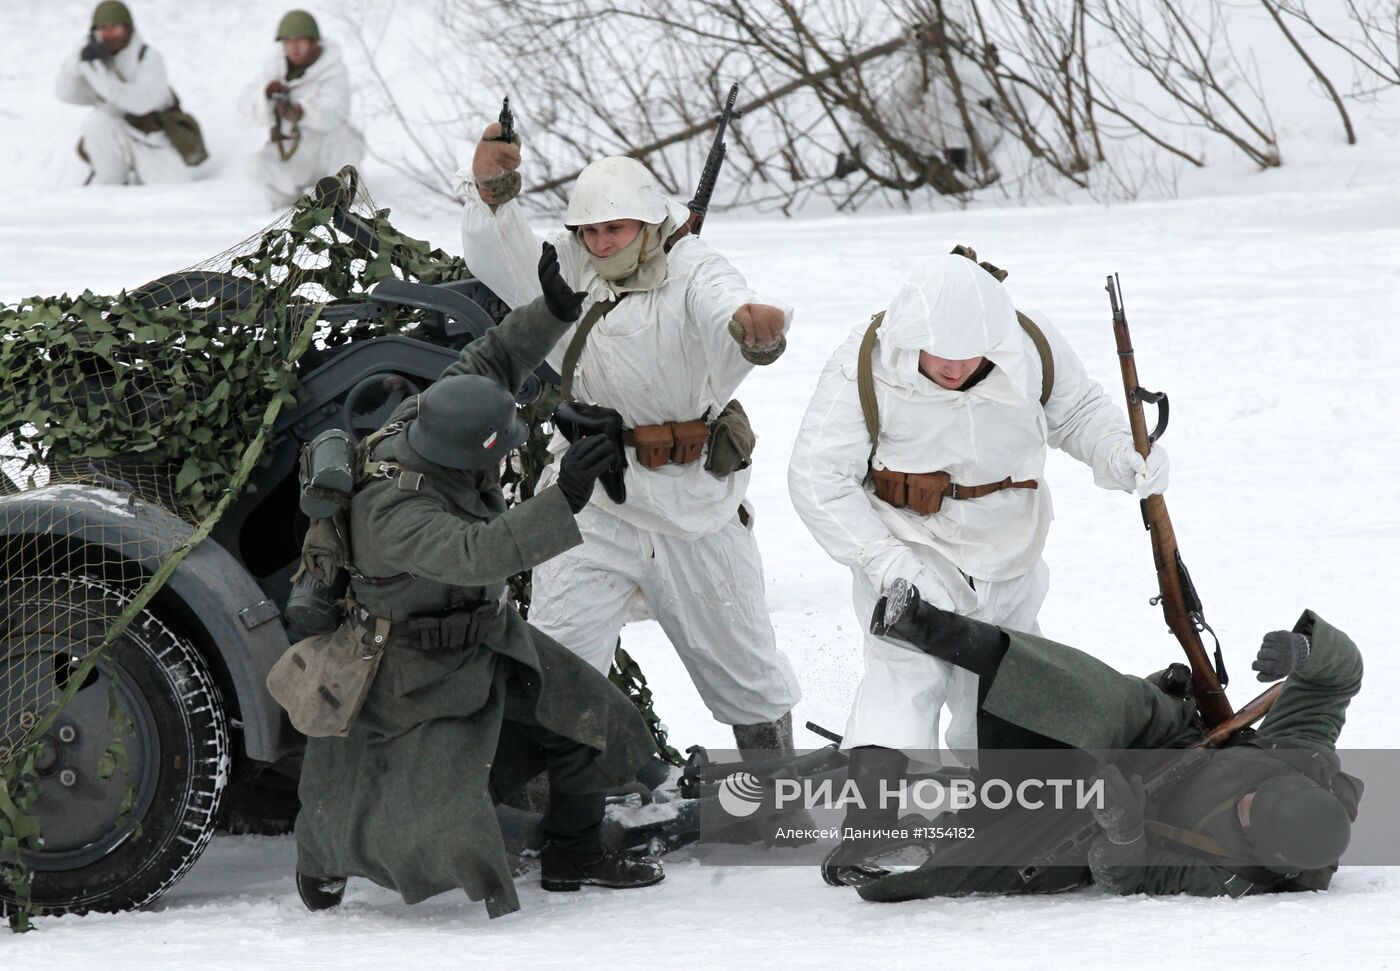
1180 604
1177 595
709 175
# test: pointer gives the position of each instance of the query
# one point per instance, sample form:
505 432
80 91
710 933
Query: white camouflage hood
951 308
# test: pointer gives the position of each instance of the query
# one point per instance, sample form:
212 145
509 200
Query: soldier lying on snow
1272 812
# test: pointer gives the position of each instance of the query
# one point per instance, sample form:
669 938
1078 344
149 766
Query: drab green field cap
110 12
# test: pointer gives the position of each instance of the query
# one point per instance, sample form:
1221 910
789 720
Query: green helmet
1295 824
467 421
298 23
110 12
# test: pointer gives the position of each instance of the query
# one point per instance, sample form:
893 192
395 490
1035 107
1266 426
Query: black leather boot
872 769
320 893
971 644
563 870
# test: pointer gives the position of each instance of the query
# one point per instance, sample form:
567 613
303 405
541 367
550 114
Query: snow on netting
159 398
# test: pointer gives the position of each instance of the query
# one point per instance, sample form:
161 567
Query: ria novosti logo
740 794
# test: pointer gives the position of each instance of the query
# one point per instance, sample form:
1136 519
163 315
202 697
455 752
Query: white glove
1149 474
887 562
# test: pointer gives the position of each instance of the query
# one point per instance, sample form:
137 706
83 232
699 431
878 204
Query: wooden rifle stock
1177 595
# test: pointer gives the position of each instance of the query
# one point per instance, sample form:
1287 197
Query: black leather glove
1120 815
1282 653
94 50
561 299
580 467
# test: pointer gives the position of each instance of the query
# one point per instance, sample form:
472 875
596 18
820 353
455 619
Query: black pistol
507 120
578 420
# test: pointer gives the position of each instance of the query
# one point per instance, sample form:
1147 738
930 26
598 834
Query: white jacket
136 84
323 91
995 429
661 355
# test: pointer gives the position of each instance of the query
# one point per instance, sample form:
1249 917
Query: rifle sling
574 351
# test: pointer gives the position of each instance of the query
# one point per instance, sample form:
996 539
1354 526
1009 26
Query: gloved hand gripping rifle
700 204
286 142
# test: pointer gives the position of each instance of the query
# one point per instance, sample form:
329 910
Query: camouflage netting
161 402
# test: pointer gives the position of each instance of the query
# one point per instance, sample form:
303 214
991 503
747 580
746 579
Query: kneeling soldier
301 97
468 699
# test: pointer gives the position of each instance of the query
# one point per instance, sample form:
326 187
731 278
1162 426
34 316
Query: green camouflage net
158 405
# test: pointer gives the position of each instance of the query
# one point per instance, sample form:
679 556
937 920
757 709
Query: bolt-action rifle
700 204
1176 593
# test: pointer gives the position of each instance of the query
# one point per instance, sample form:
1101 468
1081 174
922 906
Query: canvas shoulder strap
865 382
865 376
574 351
1042 347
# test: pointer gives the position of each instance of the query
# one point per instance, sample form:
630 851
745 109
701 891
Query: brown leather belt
670 443
924 492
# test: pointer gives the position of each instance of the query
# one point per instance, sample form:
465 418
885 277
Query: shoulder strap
865 382
574 351
141 55
1047 361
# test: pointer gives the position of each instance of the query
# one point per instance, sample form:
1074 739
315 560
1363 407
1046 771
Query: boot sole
569 886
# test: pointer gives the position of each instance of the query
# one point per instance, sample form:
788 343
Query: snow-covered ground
1265 306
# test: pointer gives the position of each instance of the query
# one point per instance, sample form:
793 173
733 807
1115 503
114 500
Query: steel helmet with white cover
616 187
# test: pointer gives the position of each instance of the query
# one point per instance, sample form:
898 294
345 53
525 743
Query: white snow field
1265 304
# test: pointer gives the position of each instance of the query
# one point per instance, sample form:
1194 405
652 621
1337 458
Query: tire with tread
178 753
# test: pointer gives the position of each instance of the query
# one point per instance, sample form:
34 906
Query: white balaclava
618 187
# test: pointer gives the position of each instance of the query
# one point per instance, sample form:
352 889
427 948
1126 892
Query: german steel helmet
467 421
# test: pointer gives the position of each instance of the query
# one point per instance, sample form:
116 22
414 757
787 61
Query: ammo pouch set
924 492
729 435
730 439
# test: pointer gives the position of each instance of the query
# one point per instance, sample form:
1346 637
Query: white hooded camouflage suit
328 141
678 544
134 84
978 557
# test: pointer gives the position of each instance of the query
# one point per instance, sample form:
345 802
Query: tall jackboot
872 769
970 644
573 854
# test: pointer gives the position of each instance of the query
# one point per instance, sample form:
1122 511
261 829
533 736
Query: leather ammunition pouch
674 442
924 492
451 630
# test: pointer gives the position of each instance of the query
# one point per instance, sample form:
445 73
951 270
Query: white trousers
116 151
318 154
707 594
902 693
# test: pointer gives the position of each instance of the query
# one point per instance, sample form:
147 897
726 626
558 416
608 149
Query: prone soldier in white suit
930 468
301 96
124 80
668 335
